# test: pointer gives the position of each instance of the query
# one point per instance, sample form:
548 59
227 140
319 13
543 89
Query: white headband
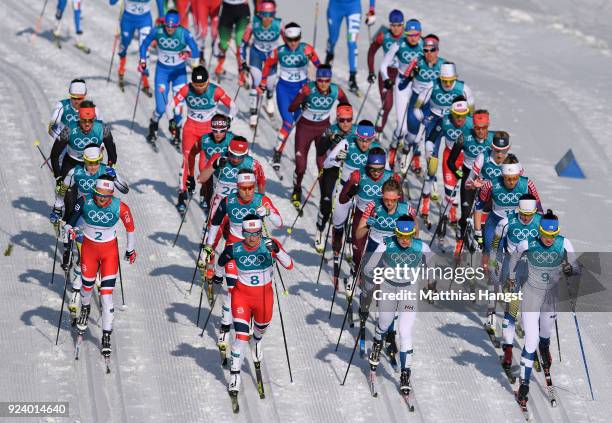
77 88
245 179
293 32
511 169
105 184
251 225
528 206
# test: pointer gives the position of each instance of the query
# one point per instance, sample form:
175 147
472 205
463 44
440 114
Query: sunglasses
104 196
418 34
292 40
344 120
219 131
324 80
429 50
377 169
251 234
200 84
76 97
267 14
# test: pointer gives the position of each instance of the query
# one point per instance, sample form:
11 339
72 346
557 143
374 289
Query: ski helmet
344 111
448 71
172 19
238 146
104 182
251 223
413 27
527 204
376 157
266 8
396 17
365 130
549 225
87 110
293 31
77 89
501 140
199 75
324 72
481 118
404 226
431 40
92 154
219 122
459 107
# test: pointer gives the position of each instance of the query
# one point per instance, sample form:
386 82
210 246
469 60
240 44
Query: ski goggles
200 84
251 234
218 130
549 228
100 195
372 169
76 97
430 50
406 231
267 14
324 80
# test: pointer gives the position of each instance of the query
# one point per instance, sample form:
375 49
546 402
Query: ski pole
301 210
330 221
45 158
237 92
584 361
212 307
365 97
39 21
200 304
443 214
280 313
121 281
66 277
382 110
558 342
267 234
115 42
316 19
195 270
259 101
135 104
182 221
55 257
337 275
350 360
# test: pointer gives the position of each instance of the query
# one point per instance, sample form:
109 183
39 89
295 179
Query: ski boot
424 212
73 304
404 163
507 362
253 120
405 386
415 165
175 132
223 342
83 318
329 58
353 87
319 241
453 215
490 326
80 44
296 197
106 343
545 356
121 73
521 396
391 348
374 358
270 108
180 206
204 205
233 388
152 135
146 88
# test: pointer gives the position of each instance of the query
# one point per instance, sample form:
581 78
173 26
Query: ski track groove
145 302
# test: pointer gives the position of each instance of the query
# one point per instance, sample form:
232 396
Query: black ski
260 387
407 400
234 398
83 48
524 409
552 392
508 371
492 337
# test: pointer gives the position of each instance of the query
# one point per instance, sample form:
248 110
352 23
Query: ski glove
142 66
371 77
568 270
220 162
341 155
370 18
244 67
208 252
191 185
261 88
389 83
272 246
352 191
130 256
336 138
111 172
70 233
55 216
459 173
262 211
217 279
478 238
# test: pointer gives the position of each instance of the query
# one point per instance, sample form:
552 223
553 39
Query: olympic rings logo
492 172
444 98
241 213
71 117
266 35
229 172
86 184
100 216
214 150
453 133
291 60
385 222
429 74
403 257
322 102
197 101
252 260
524 233
371 190
545 257
508 198
82 142
407 56
476 149
168 43
358 159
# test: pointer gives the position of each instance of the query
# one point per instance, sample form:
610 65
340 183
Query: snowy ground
543 79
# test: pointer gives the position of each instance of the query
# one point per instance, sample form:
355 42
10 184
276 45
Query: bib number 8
255 280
